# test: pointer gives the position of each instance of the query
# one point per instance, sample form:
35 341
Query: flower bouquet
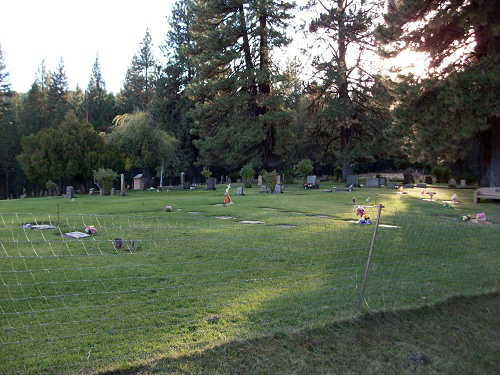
90 230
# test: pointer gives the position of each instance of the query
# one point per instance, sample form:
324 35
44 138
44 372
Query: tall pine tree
441 116
99 105
237 109
345 103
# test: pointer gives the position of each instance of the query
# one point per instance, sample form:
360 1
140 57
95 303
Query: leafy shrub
338 172
104 178
303 168
270 178
247 174
442 173
51 185
206 173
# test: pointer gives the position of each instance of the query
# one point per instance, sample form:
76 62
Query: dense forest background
224 96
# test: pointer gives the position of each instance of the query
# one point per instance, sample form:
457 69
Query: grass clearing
193 281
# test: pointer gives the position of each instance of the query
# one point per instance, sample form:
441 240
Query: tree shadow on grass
455 336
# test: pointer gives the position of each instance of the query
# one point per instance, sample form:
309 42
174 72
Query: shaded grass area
459 336
192 281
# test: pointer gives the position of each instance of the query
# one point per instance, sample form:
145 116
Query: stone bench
486 193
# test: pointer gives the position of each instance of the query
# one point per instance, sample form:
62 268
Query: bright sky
33 30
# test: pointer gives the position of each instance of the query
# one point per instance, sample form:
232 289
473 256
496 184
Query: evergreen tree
138 86
99 106
238 108
459 102
171 105
57 95
43 77
346 108
8 138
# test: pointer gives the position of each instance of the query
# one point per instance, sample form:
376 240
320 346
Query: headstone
324 178
382 181
463 183
452 183
263 188
372 183
211 181
186 185
58 191
278 180
112 191
408 186
278 189
228 180
408 178
91 191
422 185
428 180
239 191
238 181
183 178
45 193
392 185
353 180
76 235
70 191
101 192
123 191
259 180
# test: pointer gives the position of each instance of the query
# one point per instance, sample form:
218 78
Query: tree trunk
490 156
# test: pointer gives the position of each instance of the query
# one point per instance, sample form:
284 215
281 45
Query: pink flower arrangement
360 211
481 217
90 230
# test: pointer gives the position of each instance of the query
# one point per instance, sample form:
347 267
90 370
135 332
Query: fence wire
173 286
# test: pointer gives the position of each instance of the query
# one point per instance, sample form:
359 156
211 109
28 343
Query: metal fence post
362 293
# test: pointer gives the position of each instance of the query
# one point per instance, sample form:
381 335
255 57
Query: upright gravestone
91 191
211 181
238 181
408 178
259 180
372 183
278 180
183 178
70 191
452 183
263 188
353 180
101 191
123 191
58 191
112 191
382 181
278 189
228 180
239 191
463 183
392 185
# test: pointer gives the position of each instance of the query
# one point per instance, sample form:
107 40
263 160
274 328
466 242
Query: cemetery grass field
201 292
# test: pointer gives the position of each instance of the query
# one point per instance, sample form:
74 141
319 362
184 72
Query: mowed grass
197 277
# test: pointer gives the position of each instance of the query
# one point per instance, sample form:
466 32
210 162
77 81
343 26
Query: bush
104 178
51 185
442 174
303 168
270 179
338 173
288 175
206 173
247 174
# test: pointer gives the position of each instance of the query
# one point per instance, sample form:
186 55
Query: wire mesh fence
145 287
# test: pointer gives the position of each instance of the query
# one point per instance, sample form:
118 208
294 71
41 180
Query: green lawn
193 281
